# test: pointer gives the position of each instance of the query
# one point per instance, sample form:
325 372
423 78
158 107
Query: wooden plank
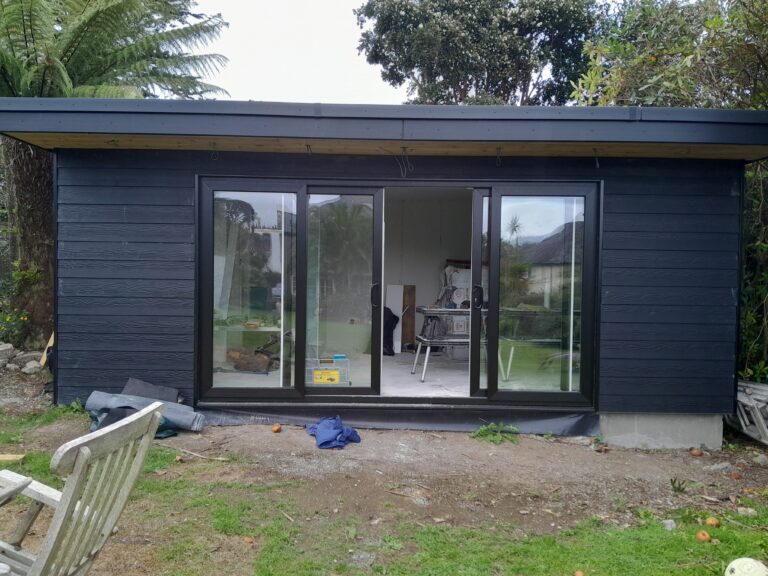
126 288
143 251
98 232
385 146
668 314
126 360
11 458
89 306
141 195
666 386
677 332
623 368
670 277
409 316
670 204
669 259
126 342
694 241
683 404
127 214
145 325
667 350
36 491
669 295
728 223
126 269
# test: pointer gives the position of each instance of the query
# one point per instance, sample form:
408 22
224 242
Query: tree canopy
106 48
705 53
479 51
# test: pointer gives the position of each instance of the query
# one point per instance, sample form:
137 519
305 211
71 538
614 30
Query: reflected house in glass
245 252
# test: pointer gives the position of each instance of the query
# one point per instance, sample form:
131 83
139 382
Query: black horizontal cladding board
673 404
91 306
669 204
142 251
670 277
670 295
139 195
113 232
117 377
126 342
126 288
696 333
168 177
663 368
134 325
69 394
126 269
673 385
655 314
126 214
666 350
670 222
677 259
693 241
124 360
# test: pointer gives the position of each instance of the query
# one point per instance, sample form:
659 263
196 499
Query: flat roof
61 123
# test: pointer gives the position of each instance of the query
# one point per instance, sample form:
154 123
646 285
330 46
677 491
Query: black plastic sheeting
456 420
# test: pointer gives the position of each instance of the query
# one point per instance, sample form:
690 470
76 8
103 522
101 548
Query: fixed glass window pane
541 255
254 263
339 281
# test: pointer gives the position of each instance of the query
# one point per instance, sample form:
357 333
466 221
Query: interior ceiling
51 140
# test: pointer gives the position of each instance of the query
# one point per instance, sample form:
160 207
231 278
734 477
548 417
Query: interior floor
445 378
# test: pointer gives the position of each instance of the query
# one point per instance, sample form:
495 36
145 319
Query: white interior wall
422 228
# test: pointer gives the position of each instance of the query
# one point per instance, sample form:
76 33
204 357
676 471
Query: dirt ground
539 485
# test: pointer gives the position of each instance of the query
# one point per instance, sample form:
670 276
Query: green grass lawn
194 510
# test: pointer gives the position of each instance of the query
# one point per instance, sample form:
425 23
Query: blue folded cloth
331 433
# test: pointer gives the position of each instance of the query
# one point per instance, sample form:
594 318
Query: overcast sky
296 51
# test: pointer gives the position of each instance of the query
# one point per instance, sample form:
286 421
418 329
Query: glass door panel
343 333
253 289
540 277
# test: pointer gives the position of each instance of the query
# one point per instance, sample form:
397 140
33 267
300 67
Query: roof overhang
386 130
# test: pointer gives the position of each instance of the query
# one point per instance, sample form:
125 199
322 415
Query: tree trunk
30 218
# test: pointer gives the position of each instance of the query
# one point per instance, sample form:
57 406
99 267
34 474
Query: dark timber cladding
669 264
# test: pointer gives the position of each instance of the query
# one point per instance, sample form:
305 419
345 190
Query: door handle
477 296
375 294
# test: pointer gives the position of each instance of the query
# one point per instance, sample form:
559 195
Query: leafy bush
14 326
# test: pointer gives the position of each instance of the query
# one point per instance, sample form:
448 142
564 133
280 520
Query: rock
25 357
3 362
7 351
364 559
721 467
746 567
669 524
12 367
761 459
32 367
743 511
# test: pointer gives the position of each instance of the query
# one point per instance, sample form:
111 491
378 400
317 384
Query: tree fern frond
102 91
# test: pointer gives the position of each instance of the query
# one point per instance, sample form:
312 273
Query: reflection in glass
485 258
540 279
339 278
254 263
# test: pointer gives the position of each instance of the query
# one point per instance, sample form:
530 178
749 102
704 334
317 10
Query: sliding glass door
344 262
542 268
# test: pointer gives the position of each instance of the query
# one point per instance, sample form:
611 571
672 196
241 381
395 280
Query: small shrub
496 433
14 326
